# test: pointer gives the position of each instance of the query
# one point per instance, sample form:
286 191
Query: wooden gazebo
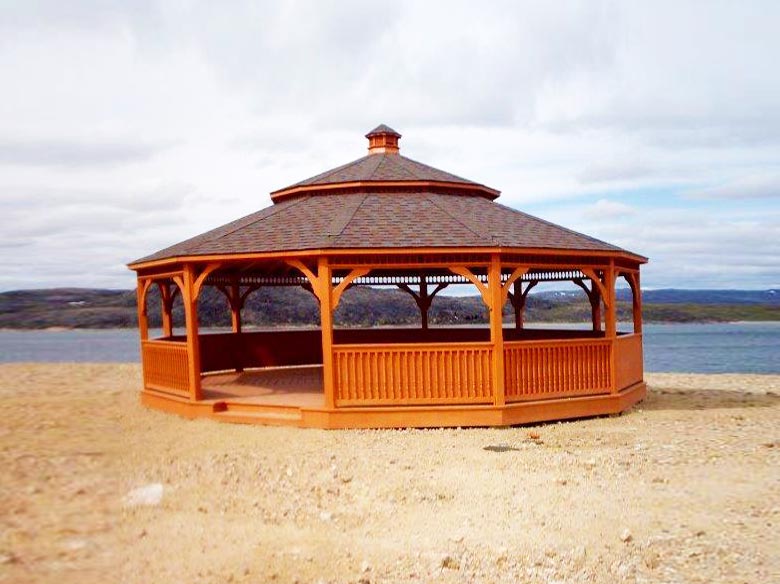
387 220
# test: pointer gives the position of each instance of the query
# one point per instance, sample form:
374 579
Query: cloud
606 209
763 186
63 153
617 171
127 126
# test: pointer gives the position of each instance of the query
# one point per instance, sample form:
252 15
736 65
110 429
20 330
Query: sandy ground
684 488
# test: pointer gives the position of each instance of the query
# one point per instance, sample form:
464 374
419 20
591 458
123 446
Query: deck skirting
432 416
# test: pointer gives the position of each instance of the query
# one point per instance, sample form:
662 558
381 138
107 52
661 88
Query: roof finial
383 140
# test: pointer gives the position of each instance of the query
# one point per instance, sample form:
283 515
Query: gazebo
387 220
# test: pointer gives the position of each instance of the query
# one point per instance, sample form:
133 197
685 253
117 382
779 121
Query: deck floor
299 386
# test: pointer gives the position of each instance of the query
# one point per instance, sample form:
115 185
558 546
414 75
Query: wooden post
519 298
423 303
594 297
325 294
611 316
495 306
143 320
611 322
235 306
166 306
595 309
193 344
518 303
423 298
637 303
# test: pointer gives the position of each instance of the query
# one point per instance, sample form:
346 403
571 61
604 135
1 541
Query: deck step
248 413
267 418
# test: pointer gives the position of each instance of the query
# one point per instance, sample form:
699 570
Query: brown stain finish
385 219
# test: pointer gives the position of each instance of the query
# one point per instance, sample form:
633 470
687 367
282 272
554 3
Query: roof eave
181 259
473 188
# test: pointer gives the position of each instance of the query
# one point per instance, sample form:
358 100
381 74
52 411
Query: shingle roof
380 167
382 221
383 129
382 201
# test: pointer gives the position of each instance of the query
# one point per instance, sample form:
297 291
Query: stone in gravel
651 559
8 558
578 555
148 495
365 567
625 536
326 515
450 563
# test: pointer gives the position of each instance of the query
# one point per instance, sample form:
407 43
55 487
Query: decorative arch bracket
591 273
346 282
142 293
516 274
484 290
201 279
320 287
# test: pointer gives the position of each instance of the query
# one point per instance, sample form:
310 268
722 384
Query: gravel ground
95 488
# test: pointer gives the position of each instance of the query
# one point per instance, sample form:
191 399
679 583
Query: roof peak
383 140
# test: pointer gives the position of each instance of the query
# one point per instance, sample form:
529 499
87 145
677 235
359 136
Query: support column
610 321
496 302
636 304
595 309
518 304
324 282
423 303
235 306
143 319
166 306
190 299
519 298
423 298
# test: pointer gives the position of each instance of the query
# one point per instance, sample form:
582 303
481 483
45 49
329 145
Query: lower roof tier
390 220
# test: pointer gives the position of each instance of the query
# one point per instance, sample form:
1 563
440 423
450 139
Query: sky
126 126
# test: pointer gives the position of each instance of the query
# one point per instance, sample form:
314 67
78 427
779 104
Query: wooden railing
412 373
226 351
628 360
165 366
561 368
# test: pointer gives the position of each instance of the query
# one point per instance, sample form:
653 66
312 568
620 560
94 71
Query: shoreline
540 324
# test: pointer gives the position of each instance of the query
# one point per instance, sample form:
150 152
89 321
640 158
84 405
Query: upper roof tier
383 201
384 168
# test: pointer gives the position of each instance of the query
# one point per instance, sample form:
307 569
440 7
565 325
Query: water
693 348
751 347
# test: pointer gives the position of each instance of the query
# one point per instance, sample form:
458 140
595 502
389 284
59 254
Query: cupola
383 140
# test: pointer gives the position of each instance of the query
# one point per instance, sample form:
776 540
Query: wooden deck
295 386
396 384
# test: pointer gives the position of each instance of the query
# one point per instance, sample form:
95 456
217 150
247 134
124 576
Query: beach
685 487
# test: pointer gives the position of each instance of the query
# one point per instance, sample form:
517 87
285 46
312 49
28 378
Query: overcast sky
127 126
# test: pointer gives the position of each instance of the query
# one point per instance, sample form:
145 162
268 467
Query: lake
695 348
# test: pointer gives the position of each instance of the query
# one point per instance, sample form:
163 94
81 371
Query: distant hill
365 306
677 296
